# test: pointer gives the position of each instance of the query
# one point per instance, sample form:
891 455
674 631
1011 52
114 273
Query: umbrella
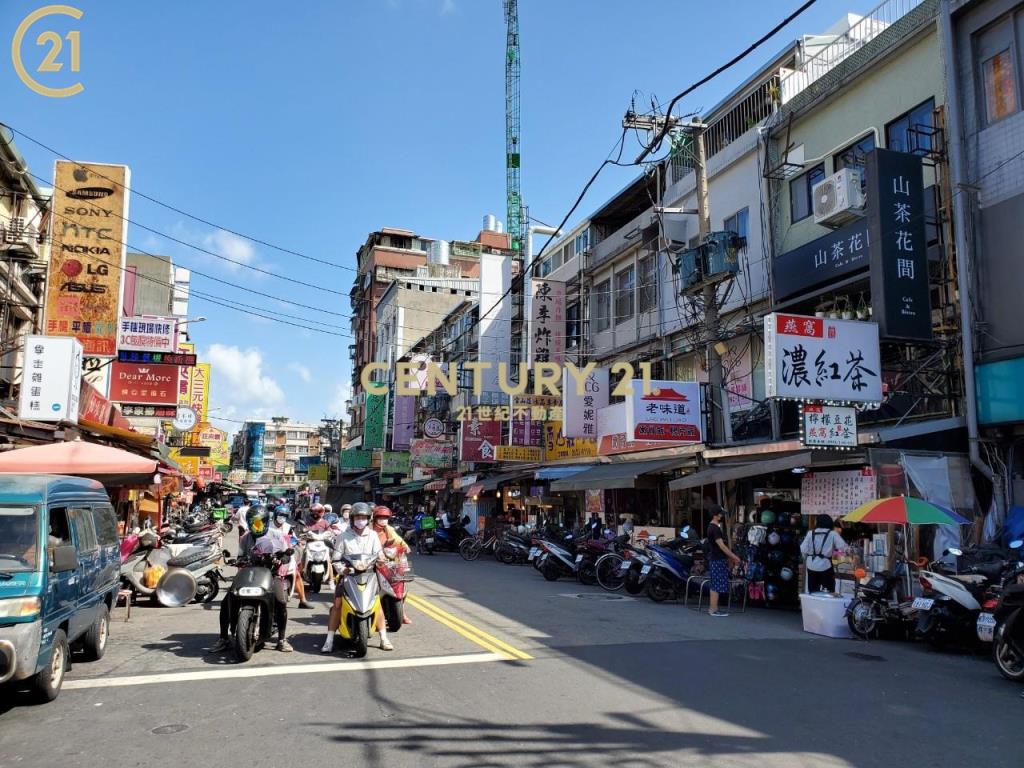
904 510
76 458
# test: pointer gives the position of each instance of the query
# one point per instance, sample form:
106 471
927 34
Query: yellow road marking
467 630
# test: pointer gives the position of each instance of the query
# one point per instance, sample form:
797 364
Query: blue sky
310 127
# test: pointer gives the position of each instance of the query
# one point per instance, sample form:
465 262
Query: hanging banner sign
670 411
558 446
828 426
433 454
148 333
405 422
395 463
478 438
547 321
817 358
51 379
143 384
373 425
87 254
520 453
579 413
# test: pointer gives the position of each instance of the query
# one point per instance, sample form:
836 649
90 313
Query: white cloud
239 377
232 247
447 7
301 371
336 408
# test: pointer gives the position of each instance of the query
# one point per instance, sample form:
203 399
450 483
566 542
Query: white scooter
318 556
949 608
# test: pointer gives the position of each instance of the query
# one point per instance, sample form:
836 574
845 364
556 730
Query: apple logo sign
81 174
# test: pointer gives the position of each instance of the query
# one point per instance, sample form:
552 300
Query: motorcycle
558 560
450 538
395 574
590 552
1004 626
317 557
882 601
252 601
191 575
513 549
360 602
948 609
671 566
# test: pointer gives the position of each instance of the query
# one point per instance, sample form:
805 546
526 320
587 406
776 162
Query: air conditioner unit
838 199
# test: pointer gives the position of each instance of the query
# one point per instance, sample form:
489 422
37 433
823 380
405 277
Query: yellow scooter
359 603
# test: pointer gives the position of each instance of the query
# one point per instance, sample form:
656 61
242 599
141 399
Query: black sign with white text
900 300
822 261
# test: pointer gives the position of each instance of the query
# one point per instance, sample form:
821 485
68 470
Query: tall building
276 451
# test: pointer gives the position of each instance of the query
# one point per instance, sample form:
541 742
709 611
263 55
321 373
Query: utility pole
710 290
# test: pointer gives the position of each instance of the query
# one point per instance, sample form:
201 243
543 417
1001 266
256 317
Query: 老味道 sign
816 358
51 382
828 426
669 411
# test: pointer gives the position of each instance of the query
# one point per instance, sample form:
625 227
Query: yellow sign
189 464
51 61
318 472
199 389
87 255
558 446
519 453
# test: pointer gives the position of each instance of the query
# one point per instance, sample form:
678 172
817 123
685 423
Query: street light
199 319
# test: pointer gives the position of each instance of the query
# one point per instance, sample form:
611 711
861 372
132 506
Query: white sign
579 409
547 322
184 419
836 493
51 379
433 428
815 358
147 333
828 426
670 412
495 326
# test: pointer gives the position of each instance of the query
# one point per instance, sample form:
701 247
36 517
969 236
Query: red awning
76 457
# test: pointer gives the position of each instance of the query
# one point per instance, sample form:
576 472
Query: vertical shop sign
50 385
479 440
581 407
405 422
547 321
373 427
900 299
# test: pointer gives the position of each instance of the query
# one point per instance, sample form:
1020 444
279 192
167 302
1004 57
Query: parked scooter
671 566
1004 626
557 560
318 556
360 602
192 575
252 601
881 601
449 539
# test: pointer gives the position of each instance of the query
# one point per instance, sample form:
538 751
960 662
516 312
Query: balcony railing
845 45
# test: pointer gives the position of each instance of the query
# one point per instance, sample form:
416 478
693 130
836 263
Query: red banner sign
143 384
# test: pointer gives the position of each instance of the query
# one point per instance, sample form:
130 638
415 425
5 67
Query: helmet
257 520
786 574
381 511
777 556
767 517
346 508
774 539
328 509
361 509
317 510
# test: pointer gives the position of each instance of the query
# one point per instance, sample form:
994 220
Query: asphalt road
501 668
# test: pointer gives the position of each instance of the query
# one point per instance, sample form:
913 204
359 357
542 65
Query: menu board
836 493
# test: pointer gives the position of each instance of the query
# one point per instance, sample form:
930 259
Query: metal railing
845 45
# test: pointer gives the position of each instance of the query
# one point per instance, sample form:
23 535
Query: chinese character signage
478 439
547 321
669 411
255 441
318 472
199 389
373 425
143 384
828 426
836 493
51 381
87 255
352 458
558 446
580 408
823 261
900 299
395 463
529 412
433 454
611 433
520 453
817 358
405 422
147 334
157 358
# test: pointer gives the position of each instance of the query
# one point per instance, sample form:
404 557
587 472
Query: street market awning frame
722 472
625 474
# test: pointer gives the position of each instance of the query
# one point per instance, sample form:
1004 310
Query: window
545 268
625 284
568 252
853 156
106 525
583 241
60 528
572 326
603 305
649 282
800 193
738 223
995 53
85 534
898 135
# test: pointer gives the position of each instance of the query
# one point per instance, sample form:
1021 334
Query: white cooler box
825 615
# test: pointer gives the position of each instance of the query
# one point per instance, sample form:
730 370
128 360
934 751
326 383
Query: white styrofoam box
824 615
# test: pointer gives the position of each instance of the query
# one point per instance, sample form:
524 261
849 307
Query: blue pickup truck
59 576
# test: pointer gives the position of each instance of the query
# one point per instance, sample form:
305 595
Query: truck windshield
19 535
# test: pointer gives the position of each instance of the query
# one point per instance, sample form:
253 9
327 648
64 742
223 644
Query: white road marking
239 671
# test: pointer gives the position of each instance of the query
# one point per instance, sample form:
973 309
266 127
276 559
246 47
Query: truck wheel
95 641
245 633
47 681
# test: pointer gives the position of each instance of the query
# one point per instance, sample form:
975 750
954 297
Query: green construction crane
512 157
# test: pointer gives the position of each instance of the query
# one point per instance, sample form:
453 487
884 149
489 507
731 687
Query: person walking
818 548
719 557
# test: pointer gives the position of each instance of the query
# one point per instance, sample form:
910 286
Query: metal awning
723 472
560 473
491 483
473 490
358 480
622 475
402 490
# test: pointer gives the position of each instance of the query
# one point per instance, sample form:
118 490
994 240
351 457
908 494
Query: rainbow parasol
904 510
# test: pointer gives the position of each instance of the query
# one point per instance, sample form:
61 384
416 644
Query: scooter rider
359 541
261 537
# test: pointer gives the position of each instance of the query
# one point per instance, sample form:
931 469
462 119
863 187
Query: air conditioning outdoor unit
838 199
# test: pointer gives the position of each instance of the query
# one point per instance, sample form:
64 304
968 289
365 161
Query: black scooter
252 602
1008 618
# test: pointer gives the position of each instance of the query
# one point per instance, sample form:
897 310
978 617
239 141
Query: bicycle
471 548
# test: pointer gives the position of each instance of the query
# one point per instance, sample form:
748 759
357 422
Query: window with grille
625 284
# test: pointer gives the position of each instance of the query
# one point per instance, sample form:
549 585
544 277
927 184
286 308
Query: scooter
1004 626
191 575
880 601
672 563
318 555
949 608
557 561
360 602
450 538
252 599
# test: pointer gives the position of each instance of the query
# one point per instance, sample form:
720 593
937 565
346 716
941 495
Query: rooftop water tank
439 252
490 223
